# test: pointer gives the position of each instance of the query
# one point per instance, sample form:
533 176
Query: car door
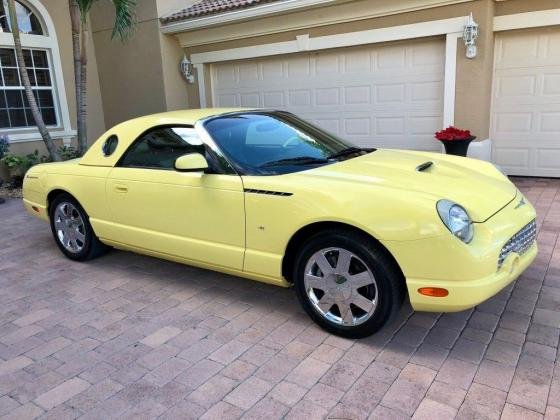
192 215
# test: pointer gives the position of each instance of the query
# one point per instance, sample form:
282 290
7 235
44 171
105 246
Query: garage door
526 103
382 96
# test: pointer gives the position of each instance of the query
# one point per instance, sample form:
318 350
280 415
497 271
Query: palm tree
27 84
79 16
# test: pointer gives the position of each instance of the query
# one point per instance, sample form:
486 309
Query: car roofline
240 112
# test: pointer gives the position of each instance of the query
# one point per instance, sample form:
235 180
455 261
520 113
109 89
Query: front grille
519 243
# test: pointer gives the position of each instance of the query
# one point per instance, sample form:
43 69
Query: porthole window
110 145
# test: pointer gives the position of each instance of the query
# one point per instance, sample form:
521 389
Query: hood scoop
423 166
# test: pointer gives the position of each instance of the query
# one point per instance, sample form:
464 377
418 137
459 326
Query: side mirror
192 162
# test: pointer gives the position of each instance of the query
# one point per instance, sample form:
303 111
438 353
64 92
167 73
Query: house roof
212 7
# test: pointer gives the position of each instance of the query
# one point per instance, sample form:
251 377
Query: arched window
42 60
27 20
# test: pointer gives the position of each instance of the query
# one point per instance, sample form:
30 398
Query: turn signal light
433 291
35 208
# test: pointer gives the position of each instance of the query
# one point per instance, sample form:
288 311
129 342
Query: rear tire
72 231
346 283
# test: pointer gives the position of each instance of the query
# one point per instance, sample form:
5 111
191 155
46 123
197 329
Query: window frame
49 43
51 88
212 153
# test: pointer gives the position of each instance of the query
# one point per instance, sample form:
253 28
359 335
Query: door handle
120 188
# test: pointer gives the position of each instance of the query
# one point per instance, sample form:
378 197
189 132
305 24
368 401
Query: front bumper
467 294
471 273
36 209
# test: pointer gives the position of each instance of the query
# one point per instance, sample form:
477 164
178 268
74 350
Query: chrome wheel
69 227
340 286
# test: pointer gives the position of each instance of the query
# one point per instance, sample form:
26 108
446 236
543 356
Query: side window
110 145
160 147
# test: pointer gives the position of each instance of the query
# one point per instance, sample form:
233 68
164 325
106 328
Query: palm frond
125 19
85 7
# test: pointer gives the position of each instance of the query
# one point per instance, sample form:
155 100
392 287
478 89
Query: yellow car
265 195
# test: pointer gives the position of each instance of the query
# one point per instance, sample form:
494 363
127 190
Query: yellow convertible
265 195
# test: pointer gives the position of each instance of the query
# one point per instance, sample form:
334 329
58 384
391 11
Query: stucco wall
473 90
509 7
140 76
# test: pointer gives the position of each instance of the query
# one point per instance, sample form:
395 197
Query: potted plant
455 140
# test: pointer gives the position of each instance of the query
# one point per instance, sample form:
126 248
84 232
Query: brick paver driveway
128 336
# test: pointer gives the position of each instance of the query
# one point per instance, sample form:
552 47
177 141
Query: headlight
456 219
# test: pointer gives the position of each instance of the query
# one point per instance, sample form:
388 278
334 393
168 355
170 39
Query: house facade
385 73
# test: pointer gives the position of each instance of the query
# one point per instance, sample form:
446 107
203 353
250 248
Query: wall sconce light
187 69
470 33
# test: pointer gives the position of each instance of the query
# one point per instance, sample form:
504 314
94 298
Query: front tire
347 284
72 231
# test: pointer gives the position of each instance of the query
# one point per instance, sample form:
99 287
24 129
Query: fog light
433 291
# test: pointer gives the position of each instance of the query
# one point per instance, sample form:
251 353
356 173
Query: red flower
452 133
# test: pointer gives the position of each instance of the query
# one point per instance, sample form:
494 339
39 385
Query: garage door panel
551 84
273 99
327 96
357 95
251 100
370 95
516 86
514 122
391 59
548 158
512 158
515 50
249 72
552 47
415 143
527 86
390 93
299 67
550 122
329 124
425 126
271 69
526 102
357 62
227 100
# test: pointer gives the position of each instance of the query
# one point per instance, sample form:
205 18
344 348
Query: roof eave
266 9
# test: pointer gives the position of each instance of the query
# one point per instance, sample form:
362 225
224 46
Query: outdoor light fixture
187 69
470 33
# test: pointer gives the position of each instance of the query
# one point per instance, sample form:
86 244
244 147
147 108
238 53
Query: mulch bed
10 193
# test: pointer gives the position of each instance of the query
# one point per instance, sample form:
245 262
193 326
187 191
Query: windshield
271 143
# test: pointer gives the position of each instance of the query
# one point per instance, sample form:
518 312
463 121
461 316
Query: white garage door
526 103
382 96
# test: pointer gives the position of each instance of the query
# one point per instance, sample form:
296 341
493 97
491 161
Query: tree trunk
75 25
82 122
27 84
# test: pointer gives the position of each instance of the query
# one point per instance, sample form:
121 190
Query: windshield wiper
349 151
300 160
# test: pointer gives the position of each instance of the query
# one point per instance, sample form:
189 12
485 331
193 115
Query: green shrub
68 152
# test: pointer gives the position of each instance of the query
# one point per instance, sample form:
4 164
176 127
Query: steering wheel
291 140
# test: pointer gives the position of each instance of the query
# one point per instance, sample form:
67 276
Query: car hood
476 185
